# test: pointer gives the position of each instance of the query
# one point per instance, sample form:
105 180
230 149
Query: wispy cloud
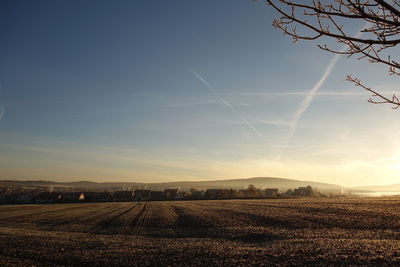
188 103
297 93
277 122
2 109
226 103
311 94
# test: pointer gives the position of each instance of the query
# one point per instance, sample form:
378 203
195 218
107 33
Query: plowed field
313 231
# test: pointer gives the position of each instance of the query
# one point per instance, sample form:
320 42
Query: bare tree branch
313 19
384 100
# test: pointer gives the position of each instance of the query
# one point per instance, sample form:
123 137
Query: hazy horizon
157 91
162 181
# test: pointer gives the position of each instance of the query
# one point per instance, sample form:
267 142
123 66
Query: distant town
14 195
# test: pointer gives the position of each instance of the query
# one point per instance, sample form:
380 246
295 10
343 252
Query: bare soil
308 231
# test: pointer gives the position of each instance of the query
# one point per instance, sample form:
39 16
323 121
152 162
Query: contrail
309 98
311 94
226 103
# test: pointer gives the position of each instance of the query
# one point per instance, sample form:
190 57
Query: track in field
137 217
109 221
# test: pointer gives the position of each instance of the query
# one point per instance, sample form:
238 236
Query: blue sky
181 90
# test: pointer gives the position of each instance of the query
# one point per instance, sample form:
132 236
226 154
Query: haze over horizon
157 91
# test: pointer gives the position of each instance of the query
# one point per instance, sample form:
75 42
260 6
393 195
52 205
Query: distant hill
379 188
259 182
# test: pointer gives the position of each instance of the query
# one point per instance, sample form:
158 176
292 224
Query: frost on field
275 231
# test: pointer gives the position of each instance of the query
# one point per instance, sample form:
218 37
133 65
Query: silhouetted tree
252 190
332 18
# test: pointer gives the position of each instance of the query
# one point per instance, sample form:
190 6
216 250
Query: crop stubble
277 231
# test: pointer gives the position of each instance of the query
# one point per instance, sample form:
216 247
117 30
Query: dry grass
361 231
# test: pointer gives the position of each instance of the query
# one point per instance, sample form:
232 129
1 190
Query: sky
151 91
